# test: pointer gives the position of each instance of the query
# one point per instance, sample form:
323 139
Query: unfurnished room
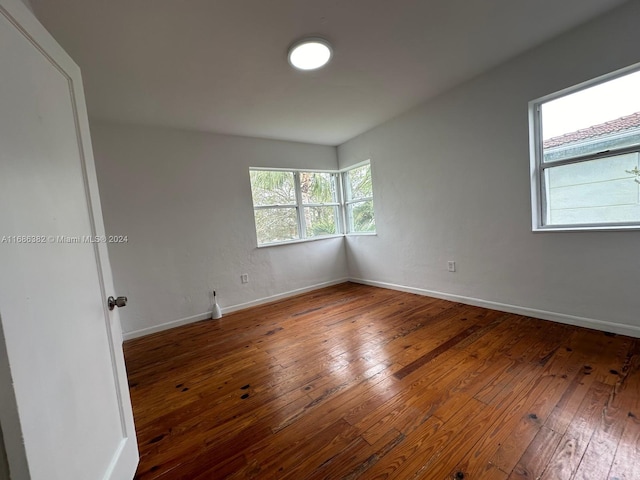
293 239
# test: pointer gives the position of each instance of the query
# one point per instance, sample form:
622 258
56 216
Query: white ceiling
221 66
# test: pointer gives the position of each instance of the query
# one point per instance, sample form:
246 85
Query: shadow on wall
4 464
9 422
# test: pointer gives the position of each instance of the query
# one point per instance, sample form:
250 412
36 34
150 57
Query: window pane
318 187
320 221
603 117
270 187
358 183
598 191
361 218
276 225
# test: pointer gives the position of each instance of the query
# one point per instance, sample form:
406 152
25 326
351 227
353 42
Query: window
275 206
358 195
585 156
320 206
295 205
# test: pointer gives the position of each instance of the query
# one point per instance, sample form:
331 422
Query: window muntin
585 160
358 191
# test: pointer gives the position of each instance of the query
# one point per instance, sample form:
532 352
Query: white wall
451 182
184 200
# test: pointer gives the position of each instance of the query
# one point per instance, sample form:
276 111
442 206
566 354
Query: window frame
277 206
340 204
539 201
336 204
300 206
348 221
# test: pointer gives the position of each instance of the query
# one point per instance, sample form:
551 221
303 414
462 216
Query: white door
65 410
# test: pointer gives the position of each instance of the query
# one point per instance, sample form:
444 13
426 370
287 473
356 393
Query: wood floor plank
626 464
626 404
508 437
356 382
525 429
461 371
479 447
450 328
422 444
536 457
567 457
427 357
357 458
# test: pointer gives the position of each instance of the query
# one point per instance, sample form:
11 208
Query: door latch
117 302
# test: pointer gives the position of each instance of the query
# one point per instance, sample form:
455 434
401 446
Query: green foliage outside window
359 192
276 204
363 218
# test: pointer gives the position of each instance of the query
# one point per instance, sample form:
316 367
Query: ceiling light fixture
310 53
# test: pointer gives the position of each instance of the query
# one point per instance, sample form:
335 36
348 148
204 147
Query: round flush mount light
310 53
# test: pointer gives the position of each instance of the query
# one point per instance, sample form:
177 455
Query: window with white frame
585 155
292 205
358 199
298 205
275 203
320 205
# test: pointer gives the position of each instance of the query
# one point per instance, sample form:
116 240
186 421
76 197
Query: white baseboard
280 296
143 332
233 308
593 323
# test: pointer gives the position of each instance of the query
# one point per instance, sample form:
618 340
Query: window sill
594 228
362 234
302 240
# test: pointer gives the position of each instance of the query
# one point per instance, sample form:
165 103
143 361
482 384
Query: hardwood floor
360 382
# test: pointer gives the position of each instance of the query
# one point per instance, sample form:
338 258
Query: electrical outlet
244 278
451 266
